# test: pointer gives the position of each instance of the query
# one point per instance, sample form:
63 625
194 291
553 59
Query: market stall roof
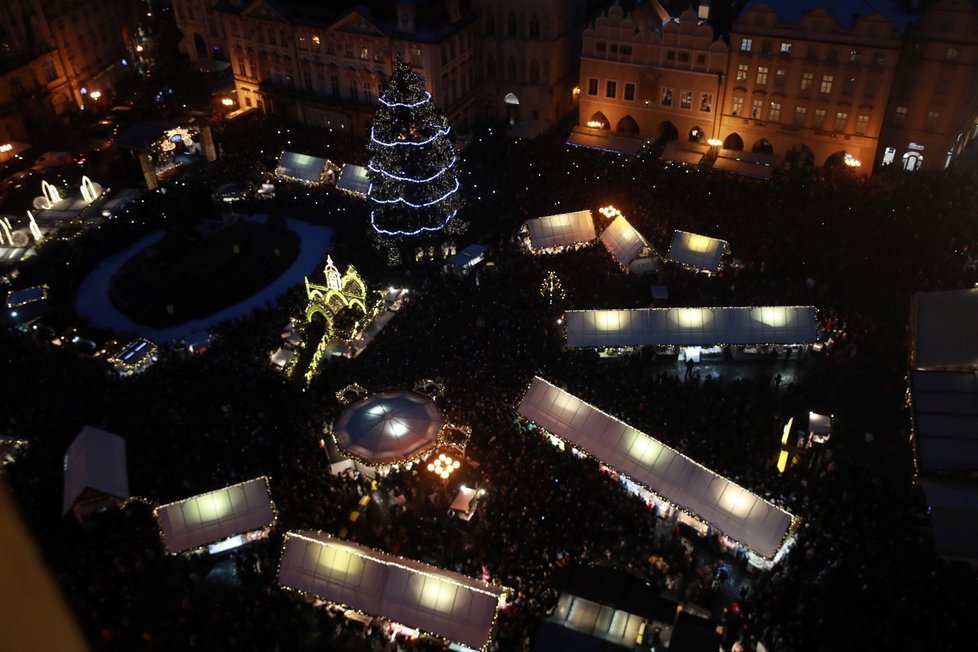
27 295
389 427
96 459
469 257
282 357
745 164
945 413
216 515
303 167
607 143
954 517
353 178
623 241
691 326
945 330
679 155
561 230
741 515
140 136
696 250
409 592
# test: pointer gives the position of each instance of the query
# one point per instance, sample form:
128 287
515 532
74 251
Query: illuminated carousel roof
389 427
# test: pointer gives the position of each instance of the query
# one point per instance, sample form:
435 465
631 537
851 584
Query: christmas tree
412 168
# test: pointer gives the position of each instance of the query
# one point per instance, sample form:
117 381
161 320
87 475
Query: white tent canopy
691 326
95 460
301 166
623 241
425 597
353 178
728 507
561 230
696 250
216 515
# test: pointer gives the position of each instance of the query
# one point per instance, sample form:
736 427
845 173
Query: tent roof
447 604
301 166
465 257
954 516
680 155
140 136
95 459
946 330
945 412
27 295
741 515
353 178
607 143
389 427
561 230
697 251
740 163
623 241
216 515
691 326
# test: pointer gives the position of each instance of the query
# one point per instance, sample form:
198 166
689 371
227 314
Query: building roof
696 250
945 326
96 459
845 12
740 514
216 515
301 166
691 326
561 230
623 241
409 592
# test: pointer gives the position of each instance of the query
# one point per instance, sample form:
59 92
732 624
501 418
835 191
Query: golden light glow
608 320
782 461
714 142
227 101
436 594
595 124
95 95
737 501
610 212
771 316
699 243
787 431
690 317
213 506
444 466
6 147
644 449
340 562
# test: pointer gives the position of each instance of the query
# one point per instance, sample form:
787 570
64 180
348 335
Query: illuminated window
855 56
840 120
742 70
819 118
807 79
666 97
779 76
686 101
826 86
738 106
900 116
761 75
746 44
706 102
785 48
801 113
756 107
862 125
774 112
315 41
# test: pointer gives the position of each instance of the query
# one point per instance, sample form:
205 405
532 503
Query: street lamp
227 101
443 466
95 95
714 142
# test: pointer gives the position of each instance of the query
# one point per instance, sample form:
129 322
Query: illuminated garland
401 200
439 132
406 106
421 229
409 179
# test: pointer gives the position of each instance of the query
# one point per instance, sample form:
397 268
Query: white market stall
231 516
623 241
739 514
302 167
691 326
428 598
95 473
552 232
696 251
354 180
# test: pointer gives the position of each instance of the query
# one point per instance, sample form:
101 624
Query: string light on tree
551 288
414 186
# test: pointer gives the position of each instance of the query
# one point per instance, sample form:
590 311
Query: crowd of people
861 575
